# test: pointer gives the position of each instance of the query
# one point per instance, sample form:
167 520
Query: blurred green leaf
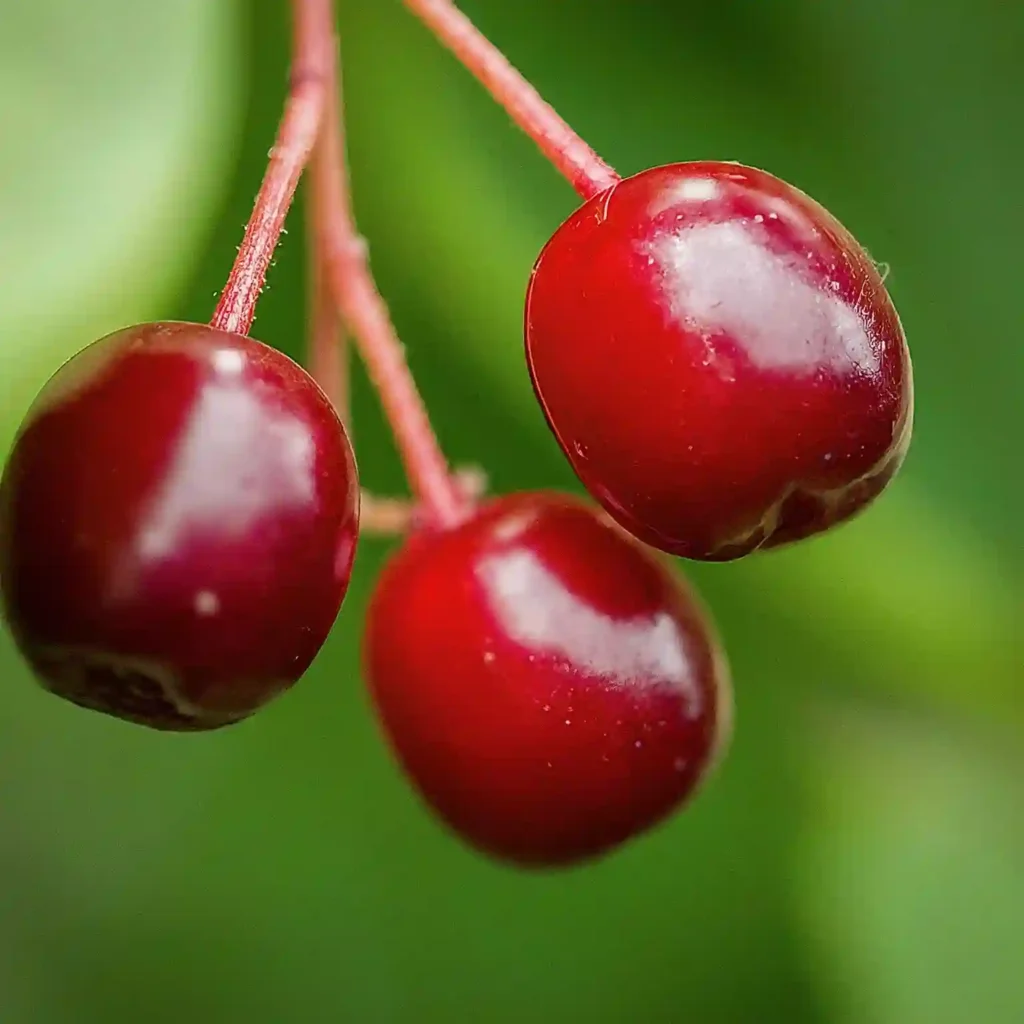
917 602
912 874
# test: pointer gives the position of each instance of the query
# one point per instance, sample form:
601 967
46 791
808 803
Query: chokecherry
719 359
550 687
178 521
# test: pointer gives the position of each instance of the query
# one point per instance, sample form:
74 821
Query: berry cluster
716 355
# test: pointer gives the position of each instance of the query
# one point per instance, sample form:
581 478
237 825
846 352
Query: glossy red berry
178 519
719 360
548 685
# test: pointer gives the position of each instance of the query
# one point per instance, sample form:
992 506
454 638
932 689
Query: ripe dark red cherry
719 360
550 687
178 520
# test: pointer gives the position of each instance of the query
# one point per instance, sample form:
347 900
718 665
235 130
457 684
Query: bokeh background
859 858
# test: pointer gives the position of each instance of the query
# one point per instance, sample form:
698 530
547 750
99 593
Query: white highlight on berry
211 478
206 603
229 361
535 609
722 279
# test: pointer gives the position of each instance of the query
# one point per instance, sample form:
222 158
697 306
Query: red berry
719 359
550 687
178 520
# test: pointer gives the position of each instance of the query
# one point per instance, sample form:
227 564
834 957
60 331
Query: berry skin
178 521
548 685
719 360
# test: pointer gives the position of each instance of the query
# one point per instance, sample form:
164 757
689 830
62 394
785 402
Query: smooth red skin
178 521
719 360
548 685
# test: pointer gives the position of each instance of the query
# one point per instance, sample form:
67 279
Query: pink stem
328 345
348 275
295 139
573 158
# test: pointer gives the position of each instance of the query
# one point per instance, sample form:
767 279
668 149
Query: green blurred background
860 856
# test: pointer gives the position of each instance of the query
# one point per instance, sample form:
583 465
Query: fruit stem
443 503
328 344
572 157
296 136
